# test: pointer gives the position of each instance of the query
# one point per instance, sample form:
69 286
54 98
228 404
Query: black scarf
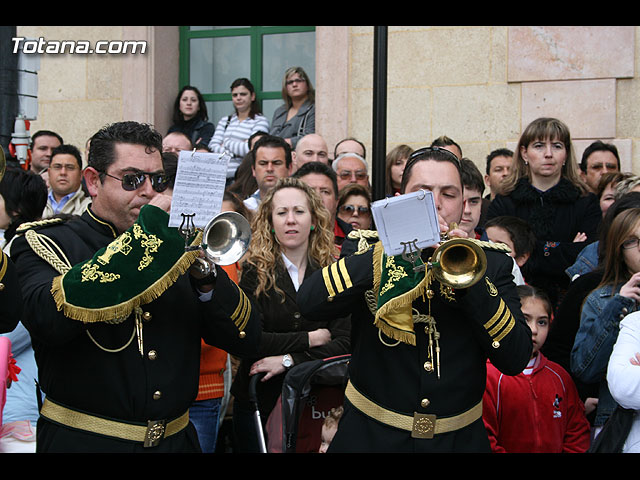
542 205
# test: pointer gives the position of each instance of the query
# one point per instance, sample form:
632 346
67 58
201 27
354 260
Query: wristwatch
287 361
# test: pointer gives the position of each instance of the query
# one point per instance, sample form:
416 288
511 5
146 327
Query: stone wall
481 85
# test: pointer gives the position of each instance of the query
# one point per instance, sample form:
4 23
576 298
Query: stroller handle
253 399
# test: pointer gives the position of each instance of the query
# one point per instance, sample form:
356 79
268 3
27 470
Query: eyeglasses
347 174
295 80
350 209
133 181
631 243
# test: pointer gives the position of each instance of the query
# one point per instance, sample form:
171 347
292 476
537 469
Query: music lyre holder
412 255
187 230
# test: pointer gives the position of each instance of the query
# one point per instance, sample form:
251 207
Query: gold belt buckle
423 425
154 433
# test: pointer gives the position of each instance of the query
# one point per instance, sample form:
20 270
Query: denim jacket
599 326
586 262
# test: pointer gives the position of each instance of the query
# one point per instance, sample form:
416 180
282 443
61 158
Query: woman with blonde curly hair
291 238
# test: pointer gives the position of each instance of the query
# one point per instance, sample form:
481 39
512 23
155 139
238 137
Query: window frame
256 34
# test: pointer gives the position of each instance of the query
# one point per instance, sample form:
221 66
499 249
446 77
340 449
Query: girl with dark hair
190 116
538 410
233 131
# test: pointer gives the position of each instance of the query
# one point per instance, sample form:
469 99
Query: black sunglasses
352 208
133 181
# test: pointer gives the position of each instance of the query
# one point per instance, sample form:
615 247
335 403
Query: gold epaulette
365 238
38 224
495 246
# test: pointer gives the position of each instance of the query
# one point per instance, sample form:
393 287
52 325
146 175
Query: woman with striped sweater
233 131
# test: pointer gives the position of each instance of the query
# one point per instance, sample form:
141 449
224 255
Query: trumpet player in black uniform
421 339
116 311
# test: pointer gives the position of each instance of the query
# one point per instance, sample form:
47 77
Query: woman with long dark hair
190 116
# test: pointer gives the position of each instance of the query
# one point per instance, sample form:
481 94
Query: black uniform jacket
124 385
395 378
285 330
10 295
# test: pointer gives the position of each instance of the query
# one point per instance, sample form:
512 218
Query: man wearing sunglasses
417 374
115 315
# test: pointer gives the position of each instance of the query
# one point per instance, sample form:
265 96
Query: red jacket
536 413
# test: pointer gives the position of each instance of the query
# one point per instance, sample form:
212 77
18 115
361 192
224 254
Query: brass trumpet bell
459 263
226 238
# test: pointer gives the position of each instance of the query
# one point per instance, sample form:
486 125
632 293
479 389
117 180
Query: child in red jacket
538 410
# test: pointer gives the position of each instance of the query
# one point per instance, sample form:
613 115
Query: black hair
471 176
45 133
178 117
436 153
598 146
321 169
500 152
529 291
170 165
102 145
521 233
246 83
445 141
25 196
273 141
68 150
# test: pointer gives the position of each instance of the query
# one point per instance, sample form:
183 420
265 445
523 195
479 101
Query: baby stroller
310 390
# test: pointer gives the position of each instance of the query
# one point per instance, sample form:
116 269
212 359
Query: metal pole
379 141
8 86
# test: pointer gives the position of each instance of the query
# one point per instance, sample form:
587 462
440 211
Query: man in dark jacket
116 317
418 368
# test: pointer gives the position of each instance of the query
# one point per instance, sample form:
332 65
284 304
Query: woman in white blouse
292 236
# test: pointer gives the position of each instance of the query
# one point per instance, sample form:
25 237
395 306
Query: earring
273 230
313 228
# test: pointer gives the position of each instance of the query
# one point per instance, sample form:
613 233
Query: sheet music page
199 187
405 218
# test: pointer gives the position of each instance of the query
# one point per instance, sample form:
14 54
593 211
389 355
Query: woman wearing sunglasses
617 295
354 206
544 189
297 116
292 238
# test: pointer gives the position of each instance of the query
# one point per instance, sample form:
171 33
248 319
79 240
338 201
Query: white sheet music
405 218
199 187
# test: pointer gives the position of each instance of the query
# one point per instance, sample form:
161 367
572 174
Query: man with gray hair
351 168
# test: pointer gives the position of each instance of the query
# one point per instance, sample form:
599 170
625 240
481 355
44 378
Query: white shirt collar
292 270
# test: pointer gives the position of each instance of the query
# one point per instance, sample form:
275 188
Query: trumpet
225 239
458 263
